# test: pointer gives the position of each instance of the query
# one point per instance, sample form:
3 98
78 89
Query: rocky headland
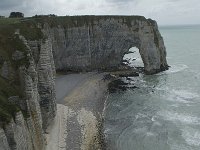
33 49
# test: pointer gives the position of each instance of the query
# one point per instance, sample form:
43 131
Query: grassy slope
77 21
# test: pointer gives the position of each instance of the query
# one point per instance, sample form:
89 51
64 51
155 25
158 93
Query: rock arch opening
101 43
133 58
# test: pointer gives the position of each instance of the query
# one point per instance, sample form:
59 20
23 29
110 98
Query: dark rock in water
126 72
115 85
127 78
108 77
140 69
129 74
133 59
125 61
132 87
119 85
130 52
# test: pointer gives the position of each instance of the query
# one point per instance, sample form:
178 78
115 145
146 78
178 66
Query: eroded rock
103 41
84 43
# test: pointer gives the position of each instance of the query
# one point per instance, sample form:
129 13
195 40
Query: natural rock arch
133 58
101 42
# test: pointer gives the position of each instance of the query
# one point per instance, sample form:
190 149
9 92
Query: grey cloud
120 1
174 0
9 4
156 9
25 6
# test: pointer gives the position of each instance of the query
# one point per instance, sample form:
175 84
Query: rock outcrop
29 48
26 132
101 42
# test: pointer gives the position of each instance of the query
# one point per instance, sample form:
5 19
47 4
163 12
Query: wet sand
78 123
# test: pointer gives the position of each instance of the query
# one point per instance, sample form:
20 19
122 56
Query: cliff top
66 21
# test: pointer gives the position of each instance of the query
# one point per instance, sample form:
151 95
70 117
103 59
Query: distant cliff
100 42
32 49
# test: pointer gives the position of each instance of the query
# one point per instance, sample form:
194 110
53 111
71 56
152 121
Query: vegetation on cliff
9 44
16 15
77 21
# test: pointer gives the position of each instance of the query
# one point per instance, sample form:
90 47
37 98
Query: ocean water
163 113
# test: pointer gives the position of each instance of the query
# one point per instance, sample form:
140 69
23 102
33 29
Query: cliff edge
100 42
33 49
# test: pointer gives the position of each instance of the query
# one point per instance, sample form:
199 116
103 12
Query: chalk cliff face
102 42
26 132
73 43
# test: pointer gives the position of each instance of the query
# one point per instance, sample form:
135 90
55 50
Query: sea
163 112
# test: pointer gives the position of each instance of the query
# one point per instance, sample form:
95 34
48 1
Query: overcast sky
164 11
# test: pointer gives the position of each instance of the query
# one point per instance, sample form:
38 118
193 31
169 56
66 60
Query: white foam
174 98
153 118
180 96
174 69
185 94
136 63
175 105
191 136
117 105
156 123
150 134
137 80
106 131
140 130
176 117
177 68
140 115
175 146
134 59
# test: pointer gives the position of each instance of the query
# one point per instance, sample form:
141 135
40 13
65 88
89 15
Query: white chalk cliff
69 43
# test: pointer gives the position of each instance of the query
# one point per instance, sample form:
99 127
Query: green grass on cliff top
65 21
77 21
